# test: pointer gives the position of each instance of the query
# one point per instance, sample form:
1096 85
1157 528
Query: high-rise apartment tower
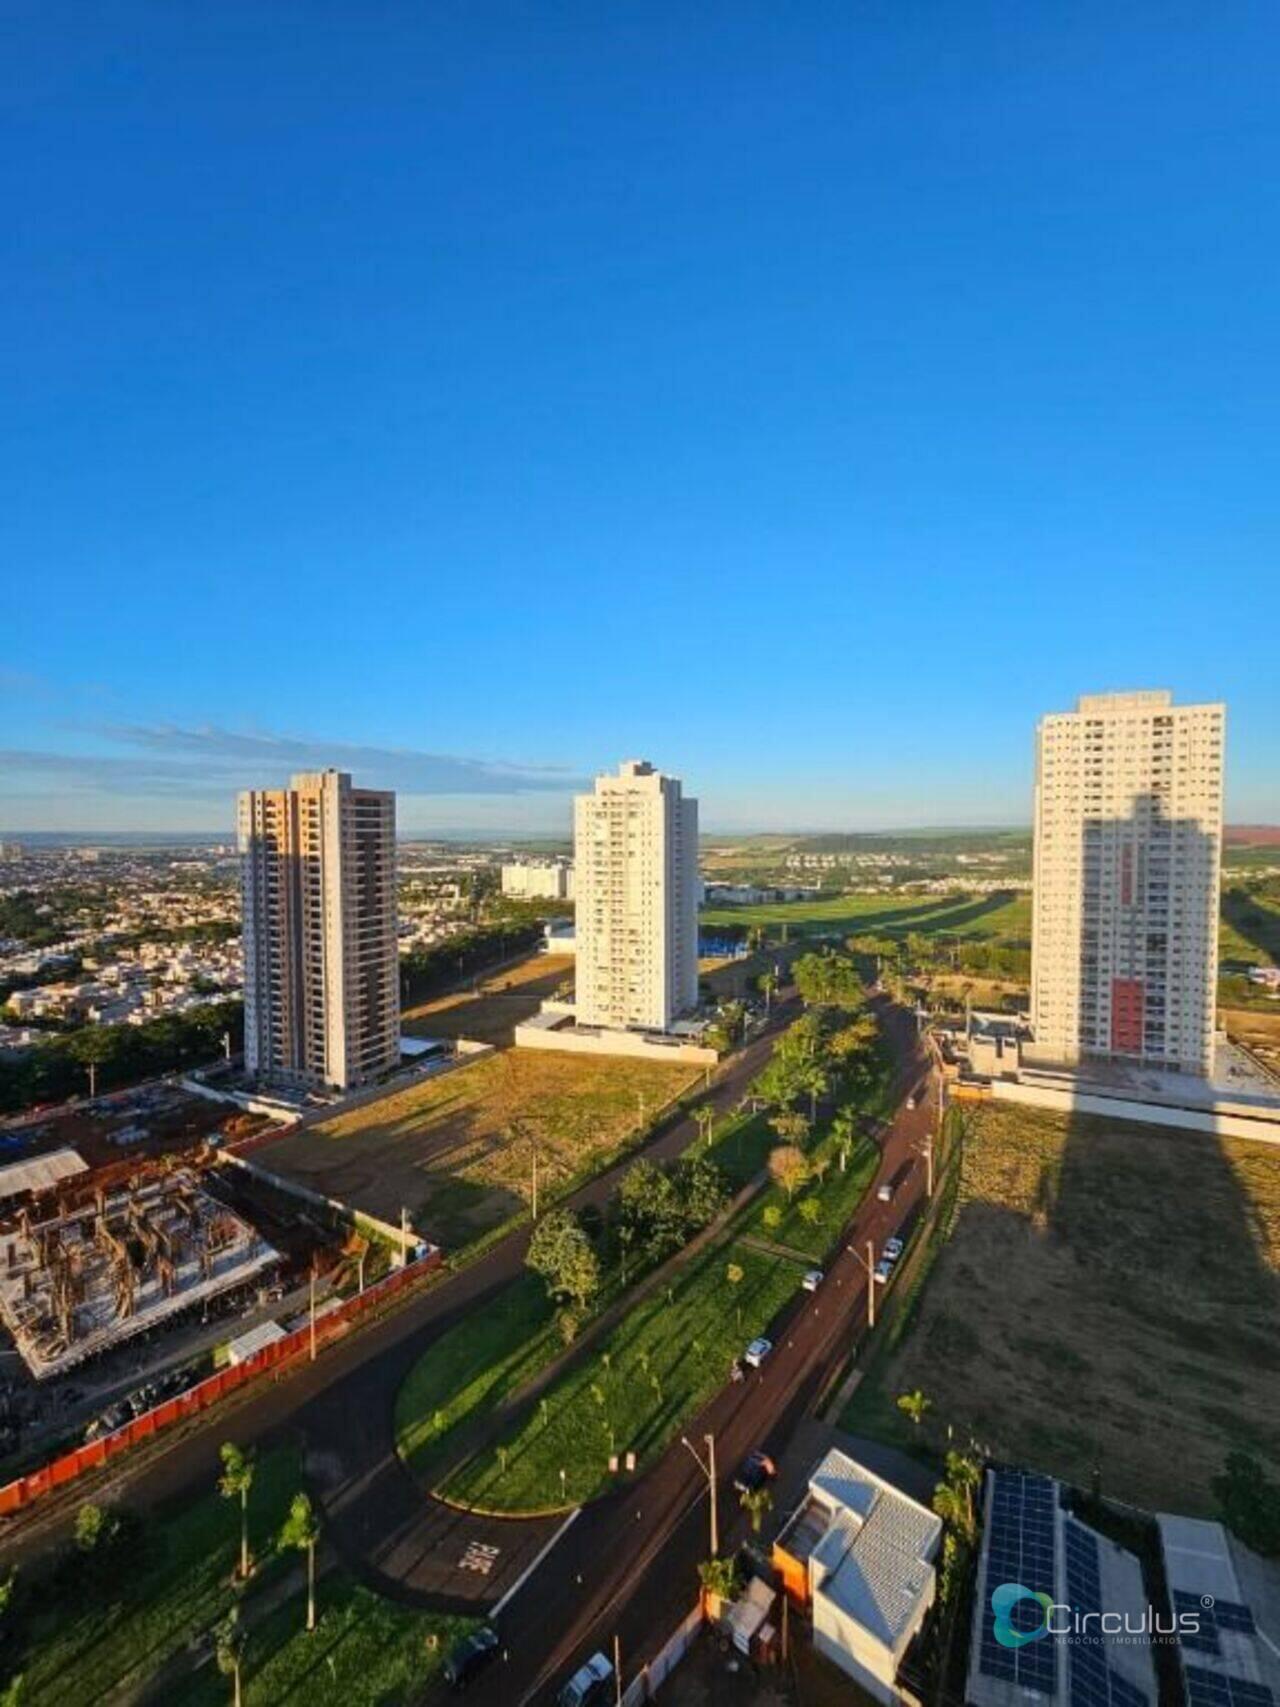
1128 836
636 881
321 962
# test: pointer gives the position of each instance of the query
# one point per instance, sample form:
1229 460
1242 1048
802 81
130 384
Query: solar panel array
1218 1615
1215 1689
1093 1682
1020 1549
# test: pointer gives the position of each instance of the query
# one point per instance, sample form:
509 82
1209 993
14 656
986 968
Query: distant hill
1252 835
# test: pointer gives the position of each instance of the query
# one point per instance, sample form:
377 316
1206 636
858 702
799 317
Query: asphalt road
340 1407
628 1565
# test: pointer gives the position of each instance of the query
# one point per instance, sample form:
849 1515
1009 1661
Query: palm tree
965 1474
952 1507
842 1130
769 983
757 1503
234 1483
914 1405
302 1530
705 1116
228 1647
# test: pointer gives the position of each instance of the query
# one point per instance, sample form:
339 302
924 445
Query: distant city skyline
813 396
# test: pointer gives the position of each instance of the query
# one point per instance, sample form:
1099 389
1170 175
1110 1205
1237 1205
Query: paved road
627 1566
340 1408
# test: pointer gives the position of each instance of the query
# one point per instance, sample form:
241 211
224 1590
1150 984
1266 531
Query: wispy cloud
203 763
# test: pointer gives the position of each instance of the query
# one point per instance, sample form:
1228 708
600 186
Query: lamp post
708 1468
869 1264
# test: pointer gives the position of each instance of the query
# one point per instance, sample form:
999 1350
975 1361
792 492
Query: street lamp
869 1264
708 1469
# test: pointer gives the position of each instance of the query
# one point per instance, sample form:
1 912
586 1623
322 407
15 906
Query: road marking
532 1566
479 1556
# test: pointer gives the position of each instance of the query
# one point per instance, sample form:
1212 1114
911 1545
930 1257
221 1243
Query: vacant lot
1258 1029
500 1001
1107 1300
974 916
457 1151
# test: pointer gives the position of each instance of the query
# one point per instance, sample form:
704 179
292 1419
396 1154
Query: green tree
301 1531
720 1577
228 1649
1249 1502
914 1405
564 1256
829 980
757 1503
789 1167
699 1191
768 983
704 1117
234 1484
809 1210
649 1204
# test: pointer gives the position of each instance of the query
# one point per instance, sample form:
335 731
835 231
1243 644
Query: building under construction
117 1262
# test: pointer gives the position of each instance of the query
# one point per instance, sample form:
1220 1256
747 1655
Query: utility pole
362 1256
226 1045
708 1469
93 1079
617 1670
869 1264
313 1309
404 1237
535 1182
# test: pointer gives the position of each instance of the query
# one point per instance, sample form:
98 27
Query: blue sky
805 397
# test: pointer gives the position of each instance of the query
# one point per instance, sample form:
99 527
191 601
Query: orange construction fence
23 1491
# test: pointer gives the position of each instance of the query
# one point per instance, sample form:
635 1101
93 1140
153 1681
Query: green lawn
364 1652
79 1639
972 916
837 1196
472 1368
633 1393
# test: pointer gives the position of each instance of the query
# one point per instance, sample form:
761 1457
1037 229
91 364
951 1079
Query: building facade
321 962
636 873
1128 838
540 880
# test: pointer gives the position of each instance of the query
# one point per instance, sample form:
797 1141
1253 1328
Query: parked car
911 1102
756 1352
813 1280
588 1685
757 1469
469 1657
885 1192
892 1249
884 1268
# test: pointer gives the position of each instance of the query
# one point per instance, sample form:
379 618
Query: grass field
478 1363
77 1644
1107 1298
443 1148
656 1369
674 1349
973 916
500 1001
363 1652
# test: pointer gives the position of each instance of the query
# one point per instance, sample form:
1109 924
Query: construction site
109 1260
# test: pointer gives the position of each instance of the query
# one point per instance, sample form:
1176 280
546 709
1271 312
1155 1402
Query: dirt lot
1107 1299
1258 1031
444 1149
499 1003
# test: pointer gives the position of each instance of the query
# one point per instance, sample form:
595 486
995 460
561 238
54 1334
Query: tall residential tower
321 962
636 879
1128 836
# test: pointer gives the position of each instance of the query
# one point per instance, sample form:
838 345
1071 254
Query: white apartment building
538 880
321 963
1128 837
636 865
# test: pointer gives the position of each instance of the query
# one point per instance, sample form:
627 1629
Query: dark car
757 1469
469 1657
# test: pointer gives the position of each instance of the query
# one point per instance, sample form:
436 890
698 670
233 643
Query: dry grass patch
456 1150
1107 1299
500 1001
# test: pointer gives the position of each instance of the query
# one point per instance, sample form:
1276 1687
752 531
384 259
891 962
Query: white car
911 1102
884 1268
812 1280
756 1352
588 1684
893 1249
885 1192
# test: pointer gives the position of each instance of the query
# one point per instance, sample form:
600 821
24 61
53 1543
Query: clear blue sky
803 396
